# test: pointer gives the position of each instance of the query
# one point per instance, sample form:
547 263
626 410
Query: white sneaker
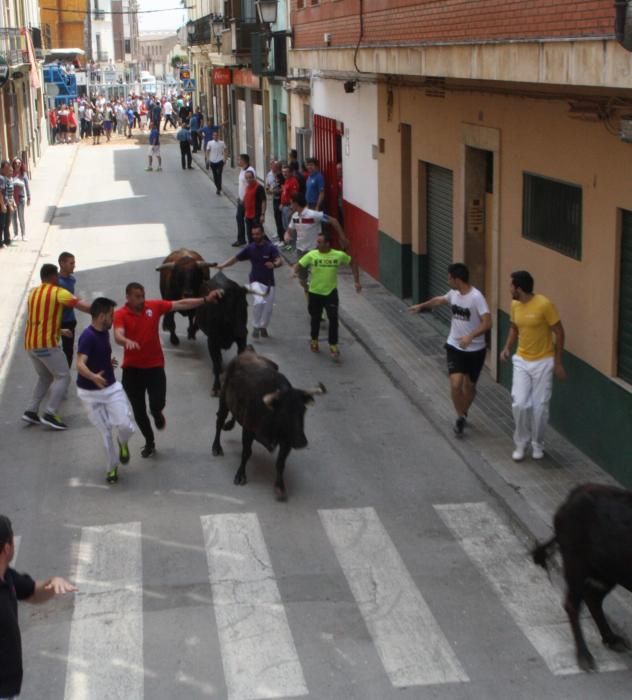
518 454
537 452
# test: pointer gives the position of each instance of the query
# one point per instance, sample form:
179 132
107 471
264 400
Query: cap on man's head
6 531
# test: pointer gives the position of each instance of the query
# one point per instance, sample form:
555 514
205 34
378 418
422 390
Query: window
552 214
128 46
624 349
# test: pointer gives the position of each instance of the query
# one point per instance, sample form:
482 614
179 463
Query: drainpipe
623 23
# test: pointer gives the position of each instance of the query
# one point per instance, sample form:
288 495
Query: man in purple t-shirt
102 396
264 257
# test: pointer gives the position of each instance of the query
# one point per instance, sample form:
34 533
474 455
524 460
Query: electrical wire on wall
360 37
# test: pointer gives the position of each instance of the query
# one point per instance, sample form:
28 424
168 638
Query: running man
322 291
465 346
136 329
102 396
43 330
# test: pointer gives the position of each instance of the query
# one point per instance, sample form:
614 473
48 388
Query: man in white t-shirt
167 110
215 156
465 347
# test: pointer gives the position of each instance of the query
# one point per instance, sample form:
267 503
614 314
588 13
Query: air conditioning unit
625 132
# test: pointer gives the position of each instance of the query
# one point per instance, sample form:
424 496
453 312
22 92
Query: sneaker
255 332
53 421
264 332
123 452
313 346
334 352
160 421
31 417
537 452
459 426
112 476
237 244
148 451
518 454
148 170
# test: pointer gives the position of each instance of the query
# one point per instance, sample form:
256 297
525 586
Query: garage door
439 228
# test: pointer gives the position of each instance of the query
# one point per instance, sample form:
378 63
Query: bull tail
541 553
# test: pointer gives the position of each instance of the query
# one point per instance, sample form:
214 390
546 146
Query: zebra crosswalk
259 656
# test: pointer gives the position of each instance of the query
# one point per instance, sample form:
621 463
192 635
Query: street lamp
217 28
267 11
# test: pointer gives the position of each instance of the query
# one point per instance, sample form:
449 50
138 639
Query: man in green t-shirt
323 264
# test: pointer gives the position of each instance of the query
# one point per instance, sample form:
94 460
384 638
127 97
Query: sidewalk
409 348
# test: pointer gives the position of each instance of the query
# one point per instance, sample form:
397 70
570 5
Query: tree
177 61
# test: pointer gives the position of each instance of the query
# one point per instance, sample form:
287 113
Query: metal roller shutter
625 300
439 228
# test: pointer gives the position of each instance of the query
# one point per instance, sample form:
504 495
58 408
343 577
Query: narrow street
391 572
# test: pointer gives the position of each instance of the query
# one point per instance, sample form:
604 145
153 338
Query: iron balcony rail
13 46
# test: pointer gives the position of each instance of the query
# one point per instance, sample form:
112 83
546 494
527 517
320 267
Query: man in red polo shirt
136 328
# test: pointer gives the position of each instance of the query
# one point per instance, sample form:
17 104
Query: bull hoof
217 451
174 339
586 662
240 479
617 643
280 493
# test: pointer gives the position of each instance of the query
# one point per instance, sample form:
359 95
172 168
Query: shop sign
4 72
244 77
221 76
185 73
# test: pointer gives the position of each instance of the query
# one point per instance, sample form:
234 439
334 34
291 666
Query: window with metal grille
624 349
552 214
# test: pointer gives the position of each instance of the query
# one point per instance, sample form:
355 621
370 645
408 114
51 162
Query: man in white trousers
535 322
102 396
264 257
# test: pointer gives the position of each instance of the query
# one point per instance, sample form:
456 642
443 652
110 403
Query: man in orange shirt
43 333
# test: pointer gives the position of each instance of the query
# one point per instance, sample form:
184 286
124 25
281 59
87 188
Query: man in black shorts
465 347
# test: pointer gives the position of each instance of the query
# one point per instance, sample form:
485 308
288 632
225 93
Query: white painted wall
358 112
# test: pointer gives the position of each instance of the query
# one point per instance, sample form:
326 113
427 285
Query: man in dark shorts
136 329
15 587
465 347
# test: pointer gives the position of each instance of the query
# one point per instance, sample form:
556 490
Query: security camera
350 86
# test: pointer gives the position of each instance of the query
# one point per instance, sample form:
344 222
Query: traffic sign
188 84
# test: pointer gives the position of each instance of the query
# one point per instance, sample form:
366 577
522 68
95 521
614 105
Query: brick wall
395 21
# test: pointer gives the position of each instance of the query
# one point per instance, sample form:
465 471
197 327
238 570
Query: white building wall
103 27
358 112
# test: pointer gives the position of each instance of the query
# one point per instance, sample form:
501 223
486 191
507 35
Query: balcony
269 54
199 31
102 56
241 38
98 14
13 46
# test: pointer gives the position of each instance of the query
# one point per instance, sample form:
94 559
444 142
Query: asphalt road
389 573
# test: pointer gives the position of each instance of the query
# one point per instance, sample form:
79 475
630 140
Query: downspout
623 23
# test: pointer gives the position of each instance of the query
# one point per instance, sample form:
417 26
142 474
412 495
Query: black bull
267 407
182 274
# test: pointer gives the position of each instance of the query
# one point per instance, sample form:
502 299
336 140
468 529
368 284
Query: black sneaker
112 476
264 332
53 421
256 332
148 451
459 426
159 421
123 452
31 417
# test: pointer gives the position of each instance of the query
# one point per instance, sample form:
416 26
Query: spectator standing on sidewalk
102 396
72 124
465 346
244 167
67 280
21 195
14 588
274 183
41 340
52 122
323 288
7 202
194 126
534 323
289 188
136 327
315 186
184 139
264 257
216 153
97 126
255 204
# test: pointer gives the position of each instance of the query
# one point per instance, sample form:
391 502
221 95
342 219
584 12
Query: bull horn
166 266
203 263
257 294
320 389
269 399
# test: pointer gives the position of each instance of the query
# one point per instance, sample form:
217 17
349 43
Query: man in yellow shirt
41 340
534 323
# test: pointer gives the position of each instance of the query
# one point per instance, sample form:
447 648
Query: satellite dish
51 89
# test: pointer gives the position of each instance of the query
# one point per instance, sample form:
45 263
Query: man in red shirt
136 329
255 204
289 187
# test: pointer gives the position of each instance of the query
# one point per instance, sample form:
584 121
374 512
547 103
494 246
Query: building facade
500 136
156 51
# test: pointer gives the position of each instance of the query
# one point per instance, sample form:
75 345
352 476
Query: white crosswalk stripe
258 651
524 588
105 657
410 643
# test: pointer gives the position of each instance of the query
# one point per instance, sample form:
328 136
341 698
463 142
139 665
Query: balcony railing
199 31
102 56
98 14
13 46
